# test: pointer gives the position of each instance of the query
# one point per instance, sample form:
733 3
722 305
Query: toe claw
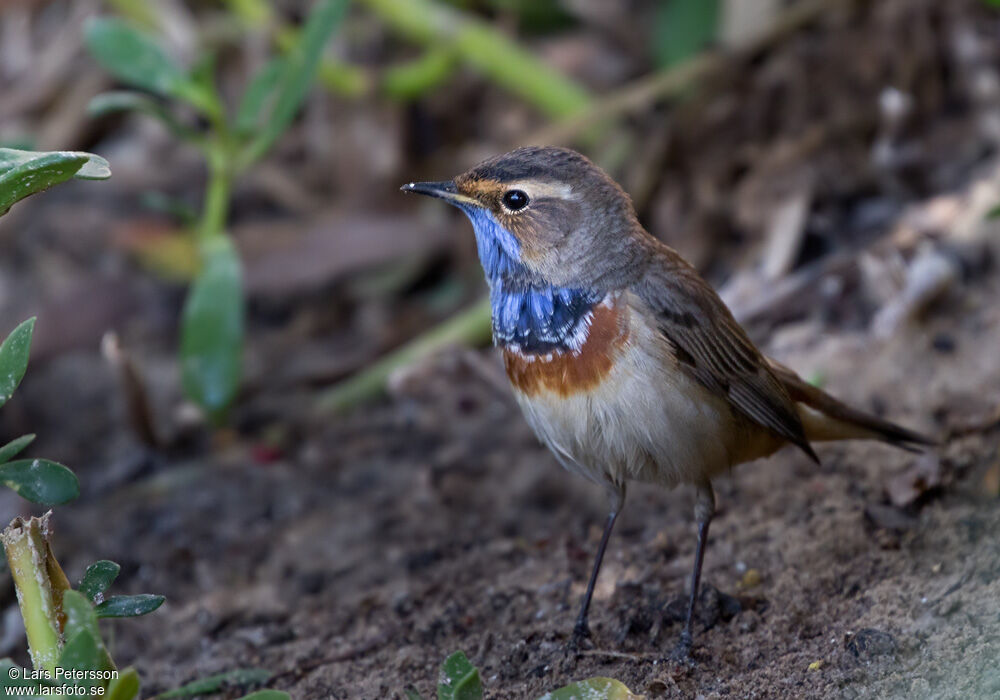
681 653
581 632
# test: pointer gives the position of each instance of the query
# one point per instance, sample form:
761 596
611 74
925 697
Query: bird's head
545 215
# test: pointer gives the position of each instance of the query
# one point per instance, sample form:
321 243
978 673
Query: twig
137 405
618 654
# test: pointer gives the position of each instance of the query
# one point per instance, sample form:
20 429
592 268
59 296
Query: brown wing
713 347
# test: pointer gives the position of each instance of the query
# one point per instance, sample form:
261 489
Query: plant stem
409 80
27 554
470 327
216 204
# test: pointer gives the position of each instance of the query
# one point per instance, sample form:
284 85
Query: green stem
409 80
27 554
344 79
470 327
216 204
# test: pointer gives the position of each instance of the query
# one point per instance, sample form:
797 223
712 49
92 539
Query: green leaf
593 689
411 693
96 168
682 28
129 605
40 481
203 73
124 687
84 649
13 448
267 694
212 329
97 578
14 358
297 74
459 679
994 212
255 98
23 173
128 101
134 58
80 615
213 684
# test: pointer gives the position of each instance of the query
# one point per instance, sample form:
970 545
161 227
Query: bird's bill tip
433 189
445 189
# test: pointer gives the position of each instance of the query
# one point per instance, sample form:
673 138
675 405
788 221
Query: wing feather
715 349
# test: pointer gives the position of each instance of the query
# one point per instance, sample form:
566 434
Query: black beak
445 190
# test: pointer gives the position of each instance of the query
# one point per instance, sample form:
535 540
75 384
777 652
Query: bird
627 365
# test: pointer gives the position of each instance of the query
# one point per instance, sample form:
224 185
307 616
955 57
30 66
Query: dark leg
582 629
704 510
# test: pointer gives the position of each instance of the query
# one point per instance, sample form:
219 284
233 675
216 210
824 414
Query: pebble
750 579
869 643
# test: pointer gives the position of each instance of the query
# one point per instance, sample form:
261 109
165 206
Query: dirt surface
353 564
351 554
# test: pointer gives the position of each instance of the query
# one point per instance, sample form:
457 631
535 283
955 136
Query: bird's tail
825 418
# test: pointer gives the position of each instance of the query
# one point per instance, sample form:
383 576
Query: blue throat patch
536 318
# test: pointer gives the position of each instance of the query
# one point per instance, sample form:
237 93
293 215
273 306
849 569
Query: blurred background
314 501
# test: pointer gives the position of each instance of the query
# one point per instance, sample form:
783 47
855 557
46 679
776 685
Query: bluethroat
625 362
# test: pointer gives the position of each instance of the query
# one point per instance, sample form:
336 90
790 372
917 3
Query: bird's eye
515 200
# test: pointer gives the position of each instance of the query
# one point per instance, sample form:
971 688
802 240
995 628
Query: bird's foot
681 653
579 640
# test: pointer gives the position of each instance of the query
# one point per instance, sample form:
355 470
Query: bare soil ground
352 565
